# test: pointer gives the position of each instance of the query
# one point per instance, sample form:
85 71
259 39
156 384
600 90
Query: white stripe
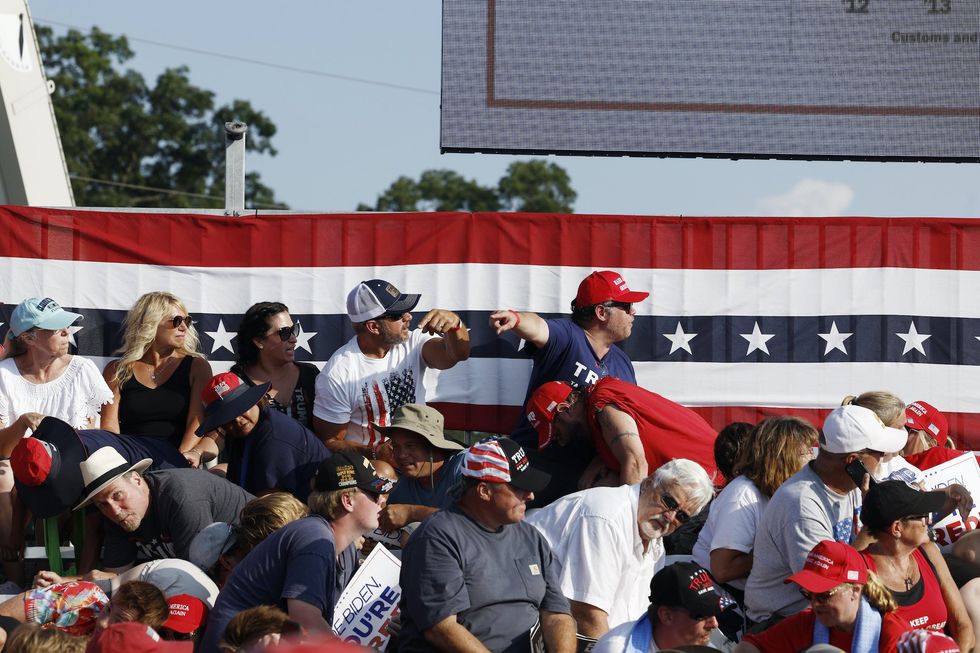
802 385
485 287
491 382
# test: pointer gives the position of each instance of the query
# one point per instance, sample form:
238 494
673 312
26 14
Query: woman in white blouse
39 378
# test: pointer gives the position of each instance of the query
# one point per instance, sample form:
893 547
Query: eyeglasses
694 616
924 517
670 503
182 319
285 333
391 317
820 598
623 306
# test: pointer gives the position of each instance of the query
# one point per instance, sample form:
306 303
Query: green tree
120 134
534 186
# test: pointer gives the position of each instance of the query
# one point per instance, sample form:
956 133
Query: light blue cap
40 312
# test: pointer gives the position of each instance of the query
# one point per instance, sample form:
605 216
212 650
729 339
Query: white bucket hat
103 467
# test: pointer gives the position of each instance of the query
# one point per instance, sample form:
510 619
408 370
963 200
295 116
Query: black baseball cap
688 585
347 469
891 500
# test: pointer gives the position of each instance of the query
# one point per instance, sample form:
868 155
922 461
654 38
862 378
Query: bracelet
456 328
516 315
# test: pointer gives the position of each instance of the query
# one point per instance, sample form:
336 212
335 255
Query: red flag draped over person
634 431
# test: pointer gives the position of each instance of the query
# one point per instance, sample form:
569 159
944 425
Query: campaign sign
964 471
389 538
369 601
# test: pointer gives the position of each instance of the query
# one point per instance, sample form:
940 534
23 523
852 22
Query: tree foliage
117 129
534 186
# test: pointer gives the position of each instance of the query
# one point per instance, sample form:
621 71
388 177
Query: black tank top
159 412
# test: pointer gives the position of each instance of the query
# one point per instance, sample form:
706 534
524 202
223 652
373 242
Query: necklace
905 570
905 573
161 367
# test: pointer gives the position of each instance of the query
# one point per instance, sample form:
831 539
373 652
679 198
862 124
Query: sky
342 141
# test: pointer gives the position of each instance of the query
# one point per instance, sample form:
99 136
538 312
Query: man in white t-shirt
608 541
381 367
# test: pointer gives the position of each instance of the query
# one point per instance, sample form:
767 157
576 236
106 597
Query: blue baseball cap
42 313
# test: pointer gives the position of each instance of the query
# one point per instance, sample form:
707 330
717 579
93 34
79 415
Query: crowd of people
228 512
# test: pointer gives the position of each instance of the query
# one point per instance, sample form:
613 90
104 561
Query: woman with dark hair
729 443
267 354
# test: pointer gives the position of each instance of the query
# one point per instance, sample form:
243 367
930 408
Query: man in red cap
633 431
579 349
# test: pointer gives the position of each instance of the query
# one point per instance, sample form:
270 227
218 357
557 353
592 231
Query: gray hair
687 474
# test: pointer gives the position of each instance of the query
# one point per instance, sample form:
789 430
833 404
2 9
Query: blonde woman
157 381
891 411
849 608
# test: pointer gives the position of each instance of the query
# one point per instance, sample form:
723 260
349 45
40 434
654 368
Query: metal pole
235 167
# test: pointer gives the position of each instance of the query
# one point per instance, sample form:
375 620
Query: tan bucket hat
424 421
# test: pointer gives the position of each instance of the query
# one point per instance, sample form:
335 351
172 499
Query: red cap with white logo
606 286
828 565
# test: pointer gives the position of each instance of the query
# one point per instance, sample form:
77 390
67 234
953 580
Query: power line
257 62
169 191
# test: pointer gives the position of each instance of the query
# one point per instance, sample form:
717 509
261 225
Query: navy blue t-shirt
279 453
568 356
134 449
298 561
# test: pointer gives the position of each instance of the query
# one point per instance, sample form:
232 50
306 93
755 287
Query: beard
392 339
654 529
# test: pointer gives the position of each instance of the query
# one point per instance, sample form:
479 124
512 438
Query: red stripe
369 412
337 240
501 419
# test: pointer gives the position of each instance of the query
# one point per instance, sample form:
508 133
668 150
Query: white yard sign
369 601
965 471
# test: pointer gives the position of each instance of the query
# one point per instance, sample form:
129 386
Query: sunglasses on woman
287 332
823 597
182 319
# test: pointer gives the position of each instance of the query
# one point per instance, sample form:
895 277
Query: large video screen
822 79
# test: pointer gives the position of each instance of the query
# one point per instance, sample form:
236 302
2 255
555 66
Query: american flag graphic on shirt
380 401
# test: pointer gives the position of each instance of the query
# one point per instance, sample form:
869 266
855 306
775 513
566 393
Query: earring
261 347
